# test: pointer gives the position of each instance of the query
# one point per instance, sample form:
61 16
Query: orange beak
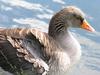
85 25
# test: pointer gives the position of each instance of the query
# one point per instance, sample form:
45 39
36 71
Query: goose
29 51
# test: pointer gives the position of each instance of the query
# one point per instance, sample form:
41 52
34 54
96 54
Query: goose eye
78 17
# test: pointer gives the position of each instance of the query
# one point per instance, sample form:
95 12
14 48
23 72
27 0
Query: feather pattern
33 46
25 45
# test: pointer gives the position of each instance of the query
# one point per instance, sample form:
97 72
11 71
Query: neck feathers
57 25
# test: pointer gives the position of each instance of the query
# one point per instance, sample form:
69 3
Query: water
37 13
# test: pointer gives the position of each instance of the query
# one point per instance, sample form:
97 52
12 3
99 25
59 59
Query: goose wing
22 51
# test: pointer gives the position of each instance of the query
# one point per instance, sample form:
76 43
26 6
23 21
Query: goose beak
85 25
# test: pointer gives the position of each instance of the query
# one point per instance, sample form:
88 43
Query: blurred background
37 14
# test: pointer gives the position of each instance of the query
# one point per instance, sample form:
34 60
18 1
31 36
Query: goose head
70 16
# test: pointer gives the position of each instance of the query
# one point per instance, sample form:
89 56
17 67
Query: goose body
32 52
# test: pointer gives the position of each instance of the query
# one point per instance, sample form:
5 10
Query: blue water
37 13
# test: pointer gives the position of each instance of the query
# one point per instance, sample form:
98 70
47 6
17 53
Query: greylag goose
27 51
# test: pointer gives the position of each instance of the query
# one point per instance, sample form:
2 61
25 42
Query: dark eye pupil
81 19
